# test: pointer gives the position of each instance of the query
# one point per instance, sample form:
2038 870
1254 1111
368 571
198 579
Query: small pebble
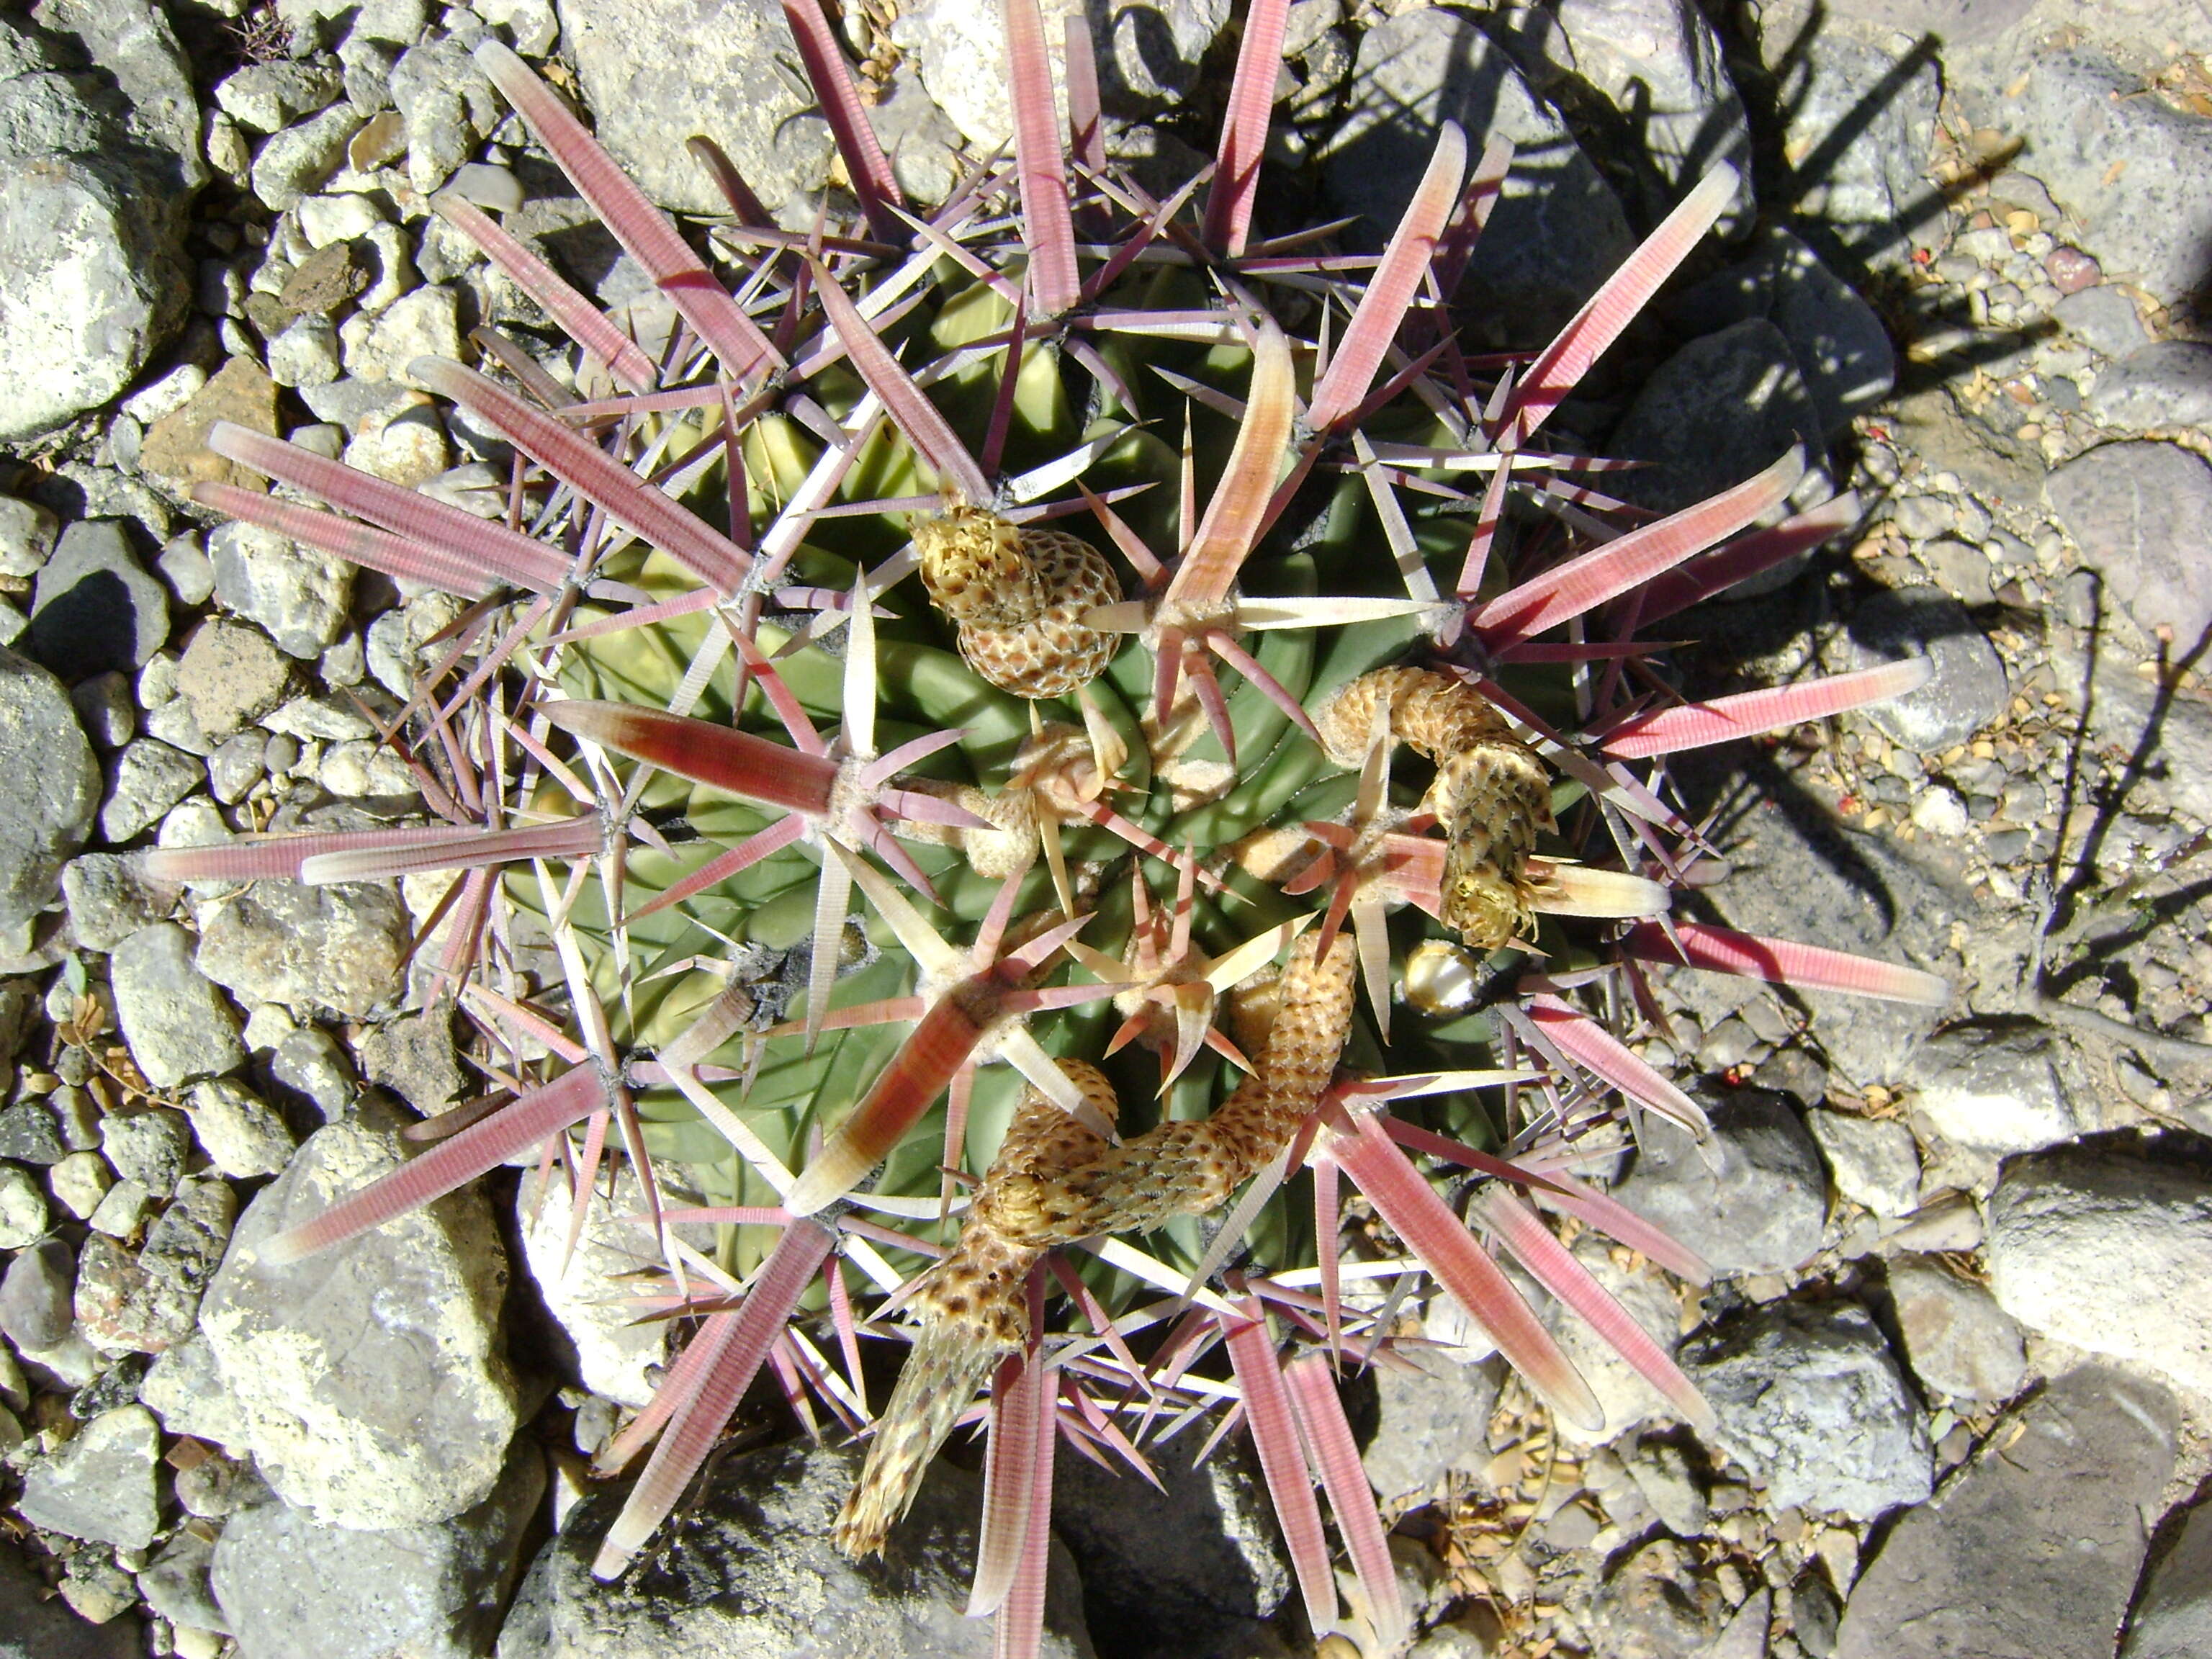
76 1114
104 709
78 1183
35 1311
327 219
29 1134
235 766
120 1211
185 566
1939 812
487 187
172 392
2071 270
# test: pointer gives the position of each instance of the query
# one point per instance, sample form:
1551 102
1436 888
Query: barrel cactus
998 750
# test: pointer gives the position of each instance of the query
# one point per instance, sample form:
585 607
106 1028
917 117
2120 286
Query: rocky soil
1959 1349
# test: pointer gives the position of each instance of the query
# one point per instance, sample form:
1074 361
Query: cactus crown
688 703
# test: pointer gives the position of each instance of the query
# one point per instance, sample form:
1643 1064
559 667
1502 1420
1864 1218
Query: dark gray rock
750 1573
185 1389
33 1627
369 1381
413 1057
336 946
2132 509
2173 1618
145 1303
25 48
920 139
1814 1613
104 709
310 1063
1657 74
34 1296
217 1486
1753 1200
21 1005
2004 1085
149 1147
1430 1422
295 163
653 80
2136 170
231 675
91 284
242 1134
1557 233
1223 1574
354 404
1716 412
1148 57
27 537
1811 1400
1744 1637
1957 22
2031 1552
1860 128
30 1133
2104 318
1655 1605
95 1586
110 898
79 1116
1958 1339
290 1585
45 114
1968 688
120 1309
2105 1252
24 1214
300 596
1663 1474
112 1389
178 1025
263 97
144 781
2124 710
448 104
108 493
94 609
236 765
99 1484
2165 384
50 811
1873 1160
131 45
1839 344
175 1583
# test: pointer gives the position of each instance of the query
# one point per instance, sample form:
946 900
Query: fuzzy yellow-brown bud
1019 597
977 569
1492 794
